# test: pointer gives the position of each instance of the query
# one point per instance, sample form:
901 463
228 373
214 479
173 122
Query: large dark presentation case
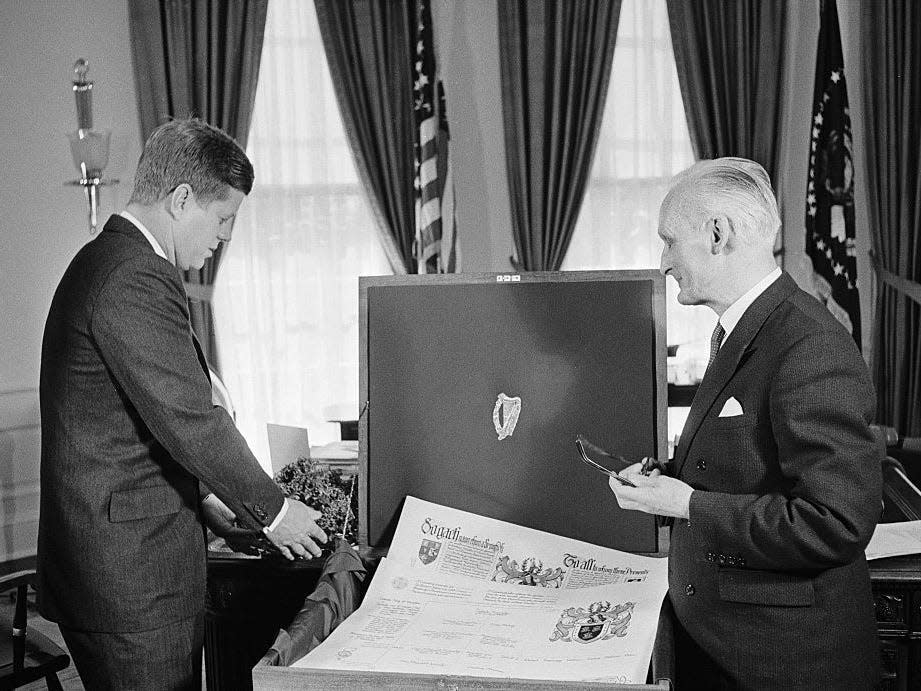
584 351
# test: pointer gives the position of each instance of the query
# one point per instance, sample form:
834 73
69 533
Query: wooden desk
897 595
682 394
248 601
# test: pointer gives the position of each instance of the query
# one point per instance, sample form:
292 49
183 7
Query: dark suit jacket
768 576
128 430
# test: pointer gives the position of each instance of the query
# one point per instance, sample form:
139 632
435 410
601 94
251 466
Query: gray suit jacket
768 576
128 430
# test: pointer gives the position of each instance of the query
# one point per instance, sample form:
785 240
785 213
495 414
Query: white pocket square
732 408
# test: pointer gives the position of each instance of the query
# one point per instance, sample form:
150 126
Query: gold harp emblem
505 415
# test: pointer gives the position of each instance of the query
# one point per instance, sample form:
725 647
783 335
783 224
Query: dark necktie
715 341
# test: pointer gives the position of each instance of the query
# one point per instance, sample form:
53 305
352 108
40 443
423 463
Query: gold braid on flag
435 242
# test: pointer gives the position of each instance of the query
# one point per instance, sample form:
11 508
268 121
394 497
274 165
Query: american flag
436 242
830 191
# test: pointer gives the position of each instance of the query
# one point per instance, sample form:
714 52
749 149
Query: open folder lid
477 384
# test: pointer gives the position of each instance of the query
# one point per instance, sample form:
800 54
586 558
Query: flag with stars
830 189
436 240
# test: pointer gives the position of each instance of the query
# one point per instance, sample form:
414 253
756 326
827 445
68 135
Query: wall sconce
89 147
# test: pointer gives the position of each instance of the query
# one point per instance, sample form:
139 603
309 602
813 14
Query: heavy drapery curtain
555 63
643 142
891 45
370 50
198 58
286 299
729 55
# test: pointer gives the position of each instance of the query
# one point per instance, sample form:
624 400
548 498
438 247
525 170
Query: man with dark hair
129 430
193 152
775 486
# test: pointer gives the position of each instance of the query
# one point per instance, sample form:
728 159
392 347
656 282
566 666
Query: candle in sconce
83 93
89 147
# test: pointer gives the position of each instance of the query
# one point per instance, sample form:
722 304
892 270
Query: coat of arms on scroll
505 415
531 572
428 551
600 622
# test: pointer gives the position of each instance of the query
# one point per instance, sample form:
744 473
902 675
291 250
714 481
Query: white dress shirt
734 312
146 233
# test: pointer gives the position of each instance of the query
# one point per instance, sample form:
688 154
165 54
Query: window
644 140
286 295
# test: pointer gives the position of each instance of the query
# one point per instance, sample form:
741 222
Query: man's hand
295 536
217 516
221 520
654 493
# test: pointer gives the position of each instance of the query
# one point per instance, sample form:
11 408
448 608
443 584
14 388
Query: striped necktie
715 341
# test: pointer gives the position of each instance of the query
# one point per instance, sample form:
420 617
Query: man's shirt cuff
278 518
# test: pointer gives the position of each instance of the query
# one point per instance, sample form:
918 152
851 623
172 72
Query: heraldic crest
531 572
428 551
600 622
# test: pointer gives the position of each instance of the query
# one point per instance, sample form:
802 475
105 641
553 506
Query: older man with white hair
775 486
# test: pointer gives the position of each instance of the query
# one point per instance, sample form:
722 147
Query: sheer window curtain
644 141
286 297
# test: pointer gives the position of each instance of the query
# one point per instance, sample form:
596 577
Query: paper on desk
418 617
345 449
894 539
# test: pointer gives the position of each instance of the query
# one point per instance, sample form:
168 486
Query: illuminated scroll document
461 594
